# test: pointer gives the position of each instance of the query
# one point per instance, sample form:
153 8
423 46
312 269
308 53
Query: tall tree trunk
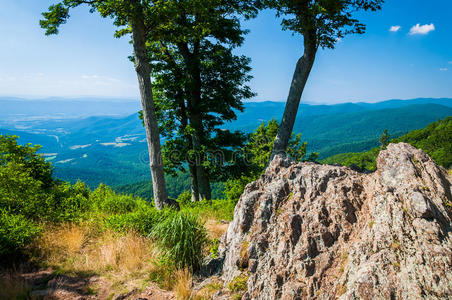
203 182
184 123
300 76
194 184
194 88
143 70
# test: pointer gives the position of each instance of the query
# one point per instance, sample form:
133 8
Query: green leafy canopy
325 21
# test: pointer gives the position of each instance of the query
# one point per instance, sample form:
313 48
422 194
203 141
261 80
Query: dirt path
47 284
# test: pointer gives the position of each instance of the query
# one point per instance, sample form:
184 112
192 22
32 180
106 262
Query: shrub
142 220
20 192
16 232
214 246
118 204
71 201
219 209
182 239
234 187
184 198
11 153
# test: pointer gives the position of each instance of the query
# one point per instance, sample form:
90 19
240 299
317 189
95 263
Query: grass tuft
182 287
182 238
239 283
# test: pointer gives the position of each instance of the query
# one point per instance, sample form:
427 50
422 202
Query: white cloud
395 28
90 76
443 69
421 29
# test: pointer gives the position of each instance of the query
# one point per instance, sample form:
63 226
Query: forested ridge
435 140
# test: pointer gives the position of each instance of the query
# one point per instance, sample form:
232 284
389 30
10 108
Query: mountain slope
113 149
435 140
325 132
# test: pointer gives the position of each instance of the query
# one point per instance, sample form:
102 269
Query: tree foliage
138 18
326 21
199 84
321 23
256 154
435 140
384 139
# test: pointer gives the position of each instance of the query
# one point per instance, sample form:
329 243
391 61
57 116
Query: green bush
107 201
218 209
16 232
11 153
182 238
27 188
118 204
142 220
20 192
71 202
234 187
184 198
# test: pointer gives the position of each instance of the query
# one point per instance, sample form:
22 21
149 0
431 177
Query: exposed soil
48 284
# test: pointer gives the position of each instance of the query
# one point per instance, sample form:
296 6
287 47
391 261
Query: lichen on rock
329 232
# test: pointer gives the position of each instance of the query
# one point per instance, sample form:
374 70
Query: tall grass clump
182 239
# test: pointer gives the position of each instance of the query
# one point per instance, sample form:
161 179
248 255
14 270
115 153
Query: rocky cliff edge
305 230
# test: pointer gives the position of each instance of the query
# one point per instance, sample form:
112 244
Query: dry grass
77 249
216 229
183 285
83 251
65 240
119 258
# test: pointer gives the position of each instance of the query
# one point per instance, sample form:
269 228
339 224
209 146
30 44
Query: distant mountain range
15 109
104 141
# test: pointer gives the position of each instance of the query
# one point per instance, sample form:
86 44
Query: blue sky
86 60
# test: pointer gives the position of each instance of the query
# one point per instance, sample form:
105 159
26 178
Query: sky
405 53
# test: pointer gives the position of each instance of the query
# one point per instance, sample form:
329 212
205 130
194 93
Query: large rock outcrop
305 231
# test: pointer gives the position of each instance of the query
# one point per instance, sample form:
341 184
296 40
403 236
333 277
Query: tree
136 17
257 152
384 139
199 84
321 23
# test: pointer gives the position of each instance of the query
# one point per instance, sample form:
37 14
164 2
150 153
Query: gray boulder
305 231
